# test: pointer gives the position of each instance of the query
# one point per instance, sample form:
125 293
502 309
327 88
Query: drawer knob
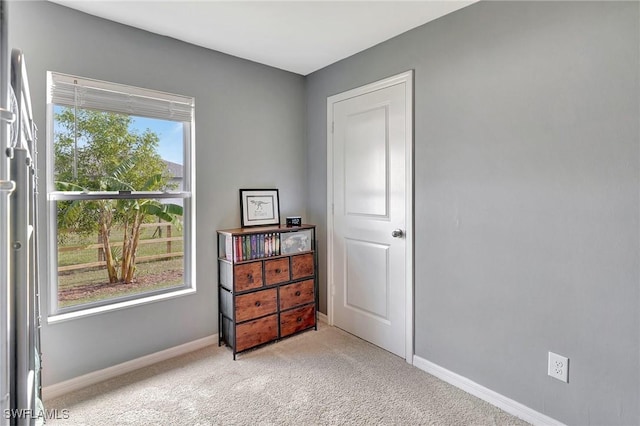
299 319
250 277
258 303
298 293
278 270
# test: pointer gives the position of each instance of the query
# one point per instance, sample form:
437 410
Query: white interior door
370 213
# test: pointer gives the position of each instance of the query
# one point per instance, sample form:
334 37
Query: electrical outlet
559 367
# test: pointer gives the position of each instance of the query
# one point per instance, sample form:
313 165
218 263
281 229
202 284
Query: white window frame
138 102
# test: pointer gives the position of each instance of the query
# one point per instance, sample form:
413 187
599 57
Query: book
267 245
273 244
244 248
261 245
254 247
235 248
228 247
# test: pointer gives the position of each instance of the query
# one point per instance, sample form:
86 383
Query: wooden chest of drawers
264 299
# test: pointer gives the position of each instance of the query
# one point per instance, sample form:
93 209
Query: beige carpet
324 377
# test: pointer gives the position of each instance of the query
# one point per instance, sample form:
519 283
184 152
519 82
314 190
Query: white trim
116 306
51 291
409 218
506 404
62 388
407 79
330 285
114 195
322 317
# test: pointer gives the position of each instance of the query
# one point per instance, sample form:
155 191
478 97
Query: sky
169 132
170 147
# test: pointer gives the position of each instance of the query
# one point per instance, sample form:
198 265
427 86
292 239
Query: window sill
55 319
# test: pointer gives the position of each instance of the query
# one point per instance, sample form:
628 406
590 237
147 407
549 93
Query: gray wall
249 122
527 133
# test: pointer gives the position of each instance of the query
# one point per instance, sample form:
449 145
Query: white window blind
72 91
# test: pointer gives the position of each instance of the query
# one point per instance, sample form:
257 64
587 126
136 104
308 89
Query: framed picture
259 207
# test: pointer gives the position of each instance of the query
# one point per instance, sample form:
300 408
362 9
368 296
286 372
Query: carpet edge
494 398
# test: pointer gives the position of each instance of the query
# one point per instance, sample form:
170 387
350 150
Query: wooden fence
168 239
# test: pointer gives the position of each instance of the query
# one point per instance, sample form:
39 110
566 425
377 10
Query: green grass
91 285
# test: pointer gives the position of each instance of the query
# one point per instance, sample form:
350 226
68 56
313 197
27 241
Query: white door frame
407 79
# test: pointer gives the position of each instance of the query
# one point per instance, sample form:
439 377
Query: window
120 191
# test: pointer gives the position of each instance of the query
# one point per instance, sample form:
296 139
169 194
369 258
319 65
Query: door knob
397 233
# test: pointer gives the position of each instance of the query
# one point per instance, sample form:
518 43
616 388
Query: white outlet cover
558 367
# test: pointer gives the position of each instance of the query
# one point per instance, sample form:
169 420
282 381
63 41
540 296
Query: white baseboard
58 389
322 318
506 404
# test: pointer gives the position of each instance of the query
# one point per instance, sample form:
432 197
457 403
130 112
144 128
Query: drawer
248 276
254 333
302 266
254 305
297 319
296 294
276 271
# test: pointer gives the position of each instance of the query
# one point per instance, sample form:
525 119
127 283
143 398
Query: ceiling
298 36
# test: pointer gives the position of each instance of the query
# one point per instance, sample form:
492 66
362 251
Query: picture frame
259 207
